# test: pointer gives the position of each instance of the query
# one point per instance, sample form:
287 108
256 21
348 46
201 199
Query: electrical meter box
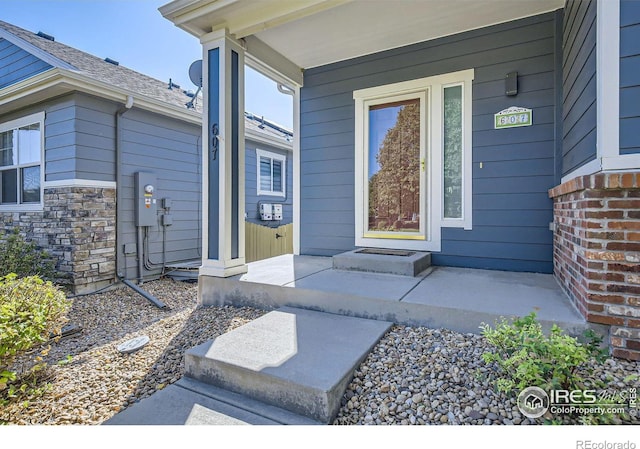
277 211
145 197
266 211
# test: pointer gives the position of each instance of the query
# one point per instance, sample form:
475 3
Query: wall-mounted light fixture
511 84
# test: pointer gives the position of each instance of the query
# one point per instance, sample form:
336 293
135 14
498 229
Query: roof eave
241 17
265 139
66 80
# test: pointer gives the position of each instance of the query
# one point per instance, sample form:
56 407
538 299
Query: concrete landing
298 360
460 299
189 402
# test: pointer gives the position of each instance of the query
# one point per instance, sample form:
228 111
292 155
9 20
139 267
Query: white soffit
362 27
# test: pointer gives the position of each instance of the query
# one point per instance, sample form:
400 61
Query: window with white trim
272 169
21 154
413 161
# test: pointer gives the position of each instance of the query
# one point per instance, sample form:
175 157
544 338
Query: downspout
119 113
285 90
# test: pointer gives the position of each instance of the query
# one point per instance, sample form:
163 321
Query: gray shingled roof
124 78
96 68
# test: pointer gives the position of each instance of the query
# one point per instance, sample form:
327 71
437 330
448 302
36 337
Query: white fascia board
173 9
241 17
36 51
30 85
274 14
182 12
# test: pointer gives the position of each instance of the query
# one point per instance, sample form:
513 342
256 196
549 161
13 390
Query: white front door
413 161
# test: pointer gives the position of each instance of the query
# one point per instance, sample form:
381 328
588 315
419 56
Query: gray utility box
145 198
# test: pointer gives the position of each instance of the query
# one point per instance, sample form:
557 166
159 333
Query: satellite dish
195 72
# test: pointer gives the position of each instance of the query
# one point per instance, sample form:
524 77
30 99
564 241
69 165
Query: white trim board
587 169
80 183
608 78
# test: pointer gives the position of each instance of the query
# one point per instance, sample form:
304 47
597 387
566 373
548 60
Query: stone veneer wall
78 226
597 253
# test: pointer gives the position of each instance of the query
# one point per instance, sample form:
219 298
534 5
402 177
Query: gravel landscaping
414 375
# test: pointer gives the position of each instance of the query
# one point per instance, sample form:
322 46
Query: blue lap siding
629 79
579 84
511 209
17 65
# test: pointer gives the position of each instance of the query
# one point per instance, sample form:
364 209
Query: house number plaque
513 117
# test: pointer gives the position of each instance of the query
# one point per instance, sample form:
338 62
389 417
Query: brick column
597 253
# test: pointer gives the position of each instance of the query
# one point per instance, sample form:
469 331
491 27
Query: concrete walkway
290 366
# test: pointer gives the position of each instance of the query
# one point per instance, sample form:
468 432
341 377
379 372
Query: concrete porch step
298 360
390 261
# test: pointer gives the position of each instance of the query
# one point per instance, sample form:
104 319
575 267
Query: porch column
223 156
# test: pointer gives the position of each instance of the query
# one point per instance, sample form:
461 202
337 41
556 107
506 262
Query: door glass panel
453 152
394 167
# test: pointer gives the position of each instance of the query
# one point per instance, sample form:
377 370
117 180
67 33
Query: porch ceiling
312 33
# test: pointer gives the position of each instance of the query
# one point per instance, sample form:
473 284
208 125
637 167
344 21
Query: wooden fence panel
262 242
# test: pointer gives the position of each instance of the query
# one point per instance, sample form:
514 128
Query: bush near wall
30 311
24 258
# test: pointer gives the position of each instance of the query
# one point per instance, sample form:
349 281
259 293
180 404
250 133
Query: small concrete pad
299 360
371 285
404 263
284 269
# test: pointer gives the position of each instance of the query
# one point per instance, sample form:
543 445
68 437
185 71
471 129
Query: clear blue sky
134 33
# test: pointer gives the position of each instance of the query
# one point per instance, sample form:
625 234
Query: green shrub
24 258
31 310
527 357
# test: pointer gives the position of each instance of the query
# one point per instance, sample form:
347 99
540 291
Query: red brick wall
597 252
